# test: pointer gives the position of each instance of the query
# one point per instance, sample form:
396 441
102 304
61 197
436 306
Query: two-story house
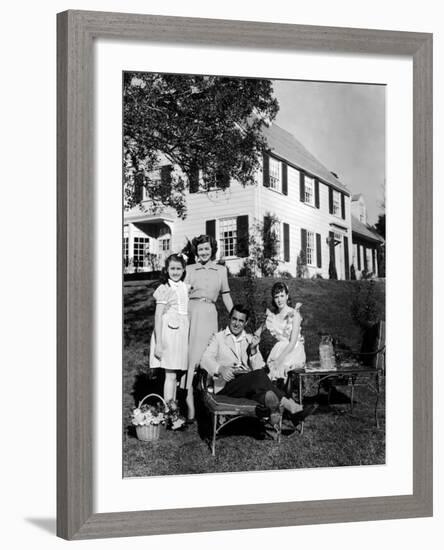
311 205
367 243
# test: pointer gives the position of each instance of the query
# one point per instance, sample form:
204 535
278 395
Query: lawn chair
224 409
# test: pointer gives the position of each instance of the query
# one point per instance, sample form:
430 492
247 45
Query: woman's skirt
203 324
294 360
175 328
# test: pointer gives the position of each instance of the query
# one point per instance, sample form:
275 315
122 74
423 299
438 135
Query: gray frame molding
76 33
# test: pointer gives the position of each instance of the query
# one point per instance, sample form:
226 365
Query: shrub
365 308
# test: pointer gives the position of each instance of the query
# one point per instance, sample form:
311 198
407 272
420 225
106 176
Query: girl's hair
276 289
173 258
201 239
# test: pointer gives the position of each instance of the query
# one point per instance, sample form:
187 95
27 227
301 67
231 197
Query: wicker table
353 374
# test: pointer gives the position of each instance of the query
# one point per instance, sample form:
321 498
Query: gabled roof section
285 146
365 231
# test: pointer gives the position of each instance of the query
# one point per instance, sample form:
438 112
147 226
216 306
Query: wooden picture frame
77 31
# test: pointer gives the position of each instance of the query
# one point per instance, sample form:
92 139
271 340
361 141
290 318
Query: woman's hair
276 289
179 258
201 239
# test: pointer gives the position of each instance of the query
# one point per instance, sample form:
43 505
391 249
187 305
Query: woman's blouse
207 280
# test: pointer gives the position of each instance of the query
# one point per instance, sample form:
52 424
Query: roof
286 146
365 231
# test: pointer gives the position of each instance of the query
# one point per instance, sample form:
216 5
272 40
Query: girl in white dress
284 323
169 340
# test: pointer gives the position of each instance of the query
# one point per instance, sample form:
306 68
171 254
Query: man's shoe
271 401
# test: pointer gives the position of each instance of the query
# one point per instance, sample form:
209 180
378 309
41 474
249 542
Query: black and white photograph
253 273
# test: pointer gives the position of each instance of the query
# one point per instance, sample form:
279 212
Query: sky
343 126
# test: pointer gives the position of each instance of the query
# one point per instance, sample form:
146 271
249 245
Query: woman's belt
203 300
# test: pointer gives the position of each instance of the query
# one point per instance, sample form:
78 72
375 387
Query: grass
332 436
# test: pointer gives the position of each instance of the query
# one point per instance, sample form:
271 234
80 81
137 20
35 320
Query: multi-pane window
140 250
228 237
275 174
309 191
165 244
125 251
336 203
310 250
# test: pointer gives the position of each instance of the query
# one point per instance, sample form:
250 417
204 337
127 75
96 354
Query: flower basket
148 418
148 433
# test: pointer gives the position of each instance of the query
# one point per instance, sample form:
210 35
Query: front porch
147 241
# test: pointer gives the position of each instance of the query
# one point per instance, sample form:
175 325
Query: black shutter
284 178
210 228
332 266
266 170
268 253
286 242
330 200
343 206
317 193
358 248
193 178
302 186
318 250
242 236
304 245
346 258
165 174
374 261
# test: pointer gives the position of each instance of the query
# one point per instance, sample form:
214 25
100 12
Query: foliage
366 274
352 273
285 275
301 265
332 273
188 251
366 310
380 225
263 246
195 122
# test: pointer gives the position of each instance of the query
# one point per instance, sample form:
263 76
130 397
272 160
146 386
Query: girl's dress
174 327
206 282
281 329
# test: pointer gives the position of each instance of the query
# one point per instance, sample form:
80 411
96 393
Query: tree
197 123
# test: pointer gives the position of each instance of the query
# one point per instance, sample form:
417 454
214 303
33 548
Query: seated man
233 360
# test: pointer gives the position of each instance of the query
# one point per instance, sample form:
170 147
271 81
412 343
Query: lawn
332 436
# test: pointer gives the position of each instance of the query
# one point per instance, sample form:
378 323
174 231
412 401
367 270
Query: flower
146 415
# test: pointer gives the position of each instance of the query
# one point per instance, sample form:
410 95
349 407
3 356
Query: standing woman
206 280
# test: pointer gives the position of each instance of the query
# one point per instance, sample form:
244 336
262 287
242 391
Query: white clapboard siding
234 201
289 209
